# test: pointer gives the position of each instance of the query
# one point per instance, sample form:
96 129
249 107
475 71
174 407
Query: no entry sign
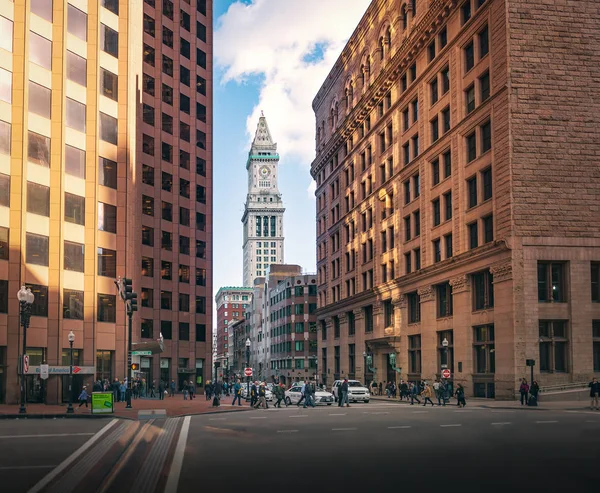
446 373
248 372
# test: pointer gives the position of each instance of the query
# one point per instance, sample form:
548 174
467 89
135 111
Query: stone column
400 318
428 333
463 333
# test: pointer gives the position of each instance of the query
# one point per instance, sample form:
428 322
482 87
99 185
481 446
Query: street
364 446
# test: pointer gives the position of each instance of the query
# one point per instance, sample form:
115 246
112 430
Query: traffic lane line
343 429
399 427
175 471
451 425
287 431
17 468
501 424
50 435
545 422
338 414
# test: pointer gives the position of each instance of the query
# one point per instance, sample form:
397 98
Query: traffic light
129 295
135 367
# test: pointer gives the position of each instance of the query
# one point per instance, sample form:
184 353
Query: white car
245 395
356 391
294 394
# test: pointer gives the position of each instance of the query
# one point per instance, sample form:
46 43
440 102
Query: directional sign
248 372
141 353
25 364
446 373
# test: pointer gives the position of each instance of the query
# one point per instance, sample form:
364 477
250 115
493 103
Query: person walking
374 387
83 397
460 396
414 393
253 394
192 389
308 391
279 395
185 390
161 390
534 390
380 388
237 393
122 390
403 390
524 390
427 393
303 392
438 390
172 389
344 391
262 397
594 386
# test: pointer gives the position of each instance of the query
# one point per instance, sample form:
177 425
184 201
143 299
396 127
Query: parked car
356 391
294 394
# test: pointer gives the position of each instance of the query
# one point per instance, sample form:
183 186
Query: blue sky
264 62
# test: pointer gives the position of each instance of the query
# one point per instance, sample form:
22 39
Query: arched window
362 75
331 117
404 17
347 93
388 38
414 8
351 92
336 113
381 48
368 67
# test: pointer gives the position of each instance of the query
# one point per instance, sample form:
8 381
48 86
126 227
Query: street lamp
70 406
445 346
26 299
248 343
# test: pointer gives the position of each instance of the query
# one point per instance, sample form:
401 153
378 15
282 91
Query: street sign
446 373
25 364
141 353
248 372
43 372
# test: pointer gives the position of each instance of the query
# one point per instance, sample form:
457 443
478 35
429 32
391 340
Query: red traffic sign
446 373
25 364
248 372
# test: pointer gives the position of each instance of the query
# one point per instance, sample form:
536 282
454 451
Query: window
6 34
185 48
443 37
200 166
4 243
484 349
147 267
112 5
201 196
166 122
167 7
470 98
465 11
200 58
75 209
433 87
200 304
473 235
414 308
448 240
184 104
405 119
436 212
148 145
483 290
107 262
415 145
74 255
469 56
167 152
149 55
407 229
484 86
38 198
72 304
167 37
435 129
414 354
184 75
147 326
40 97
551 282
200 333
200 221
554 344
167 211
77 22
488 229
444 300
445 353
40 50
201 112
472 190
166 241
471 147
201 85
184 158
184 20
38 149
184 302
147 175
595 274
486 177
149 84
184 245
76 68
166 329
147 236
40 307
147 297
417 219
413 72
184 328
447 164
109 85
486 137
109 40
167 65
75 162
446 119
200 249
107 309
149 25
184 216
75 115
368 314
108 128
431 51
448 205
107 217
415 110
166 300
107 173
200 277
445 73
484 42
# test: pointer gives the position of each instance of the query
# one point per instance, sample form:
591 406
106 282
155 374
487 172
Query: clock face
264 172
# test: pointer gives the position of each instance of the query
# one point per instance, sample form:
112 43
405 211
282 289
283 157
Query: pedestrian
253 394
280 394
115 387
403 390
303 392
98 387
460 396
439 393
524 390
594 393
414 393
427 393
308 392
83 397
534 390
185 390
237 393
374 387
262 397
380 388
191 389
122 390
172 388
344 388
152 389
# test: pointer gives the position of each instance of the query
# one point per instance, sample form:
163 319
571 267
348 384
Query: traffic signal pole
129 372
125 287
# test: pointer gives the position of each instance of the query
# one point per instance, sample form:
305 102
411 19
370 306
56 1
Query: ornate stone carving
377 308
400 302
358 314
343 318
459 284
501 272
426 294
329 322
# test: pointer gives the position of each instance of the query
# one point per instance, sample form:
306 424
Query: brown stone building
105 171
458 194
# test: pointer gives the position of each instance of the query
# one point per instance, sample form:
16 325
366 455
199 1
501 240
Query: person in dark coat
161 390
253 394
594 386
524 390
534 390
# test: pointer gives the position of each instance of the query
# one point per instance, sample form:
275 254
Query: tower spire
263 141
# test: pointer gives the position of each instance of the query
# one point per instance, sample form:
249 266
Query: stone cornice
501 271
459 284
426 294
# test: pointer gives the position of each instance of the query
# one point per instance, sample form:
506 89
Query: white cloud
292 45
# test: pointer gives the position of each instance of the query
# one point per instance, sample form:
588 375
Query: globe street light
26 299
70 406
445 346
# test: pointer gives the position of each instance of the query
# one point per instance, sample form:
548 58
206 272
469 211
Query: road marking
287 431
40 485
545 422
500 424
258 417
299 416
397 427
448 426
338 414
17 468
377 413
175 472
461 411
583 412
592 421
217 419
503 411
52 435
420 412
343 429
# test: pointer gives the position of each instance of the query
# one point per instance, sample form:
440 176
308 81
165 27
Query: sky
271 55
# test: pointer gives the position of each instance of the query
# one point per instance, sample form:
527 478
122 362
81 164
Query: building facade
263 211
232 302
90 91
449 232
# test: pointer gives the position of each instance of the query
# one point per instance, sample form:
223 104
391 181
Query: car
356 391
245 395
294 394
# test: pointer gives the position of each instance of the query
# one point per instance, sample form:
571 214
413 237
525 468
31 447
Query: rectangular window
201 195
201 112
107 217
4 234
40 306
465 11
431 51
38 149
107 262
486 137
472 190
77 22
147 176
484 42
38 198
111 5
167 181
75 162
167 152
448 205
484 349
72 304
415 145
446 119
166 329
107 308
108 128
185 20
184 303
200 221
436 212
76 69
484 86
200 333
470 98
435 173
109 40
5 191
554 346
75 115
147 267
184 75
149 84
74 209
407 228
200 304
417 220
166 300
40 98
74 255
414 354
448 240
469 56
149 55
488 229
109 84
414 308
40 50
200 58
443 37
6 34
437 251
473 235
147 236
185 48
167 8
595 274
167 65
37 249
184 216
201 85
147 327
167 37
447 164
184 245
107 173
184 104
552 282
166 122
149 25
167 211
445 73
435 129
201 166
444 300
483 290
184 328
200 277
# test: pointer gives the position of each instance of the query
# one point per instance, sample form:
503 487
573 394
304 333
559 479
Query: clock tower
263 211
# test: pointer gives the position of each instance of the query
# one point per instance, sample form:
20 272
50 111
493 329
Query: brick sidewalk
174 406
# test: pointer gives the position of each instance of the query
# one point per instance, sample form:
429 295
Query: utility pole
125 287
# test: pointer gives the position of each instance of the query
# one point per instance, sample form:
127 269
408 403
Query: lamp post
316 370
71 341
445 346
26 299
248 343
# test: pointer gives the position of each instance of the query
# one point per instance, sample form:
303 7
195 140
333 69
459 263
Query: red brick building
458 194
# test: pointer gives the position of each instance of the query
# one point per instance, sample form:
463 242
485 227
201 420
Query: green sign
102 403
141 353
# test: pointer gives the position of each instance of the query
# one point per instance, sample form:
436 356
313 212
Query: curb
58 416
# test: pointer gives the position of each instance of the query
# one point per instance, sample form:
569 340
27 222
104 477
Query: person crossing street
237 393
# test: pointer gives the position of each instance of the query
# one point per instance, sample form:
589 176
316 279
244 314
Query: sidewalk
173 406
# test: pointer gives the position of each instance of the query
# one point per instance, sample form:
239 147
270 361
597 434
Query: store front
199 374
165 375
34 385
3 375
77 376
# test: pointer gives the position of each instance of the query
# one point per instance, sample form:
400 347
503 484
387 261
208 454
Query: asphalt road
30 448
391 446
